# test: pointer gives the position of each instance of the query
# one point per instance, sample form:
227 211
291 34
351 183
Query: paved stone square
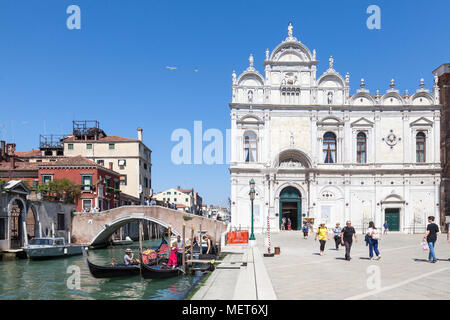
299 272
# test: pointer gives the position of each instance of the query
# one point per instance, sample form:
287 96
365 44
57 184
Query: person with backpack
431 237
305 230
373 236
322 232
347 234
337 234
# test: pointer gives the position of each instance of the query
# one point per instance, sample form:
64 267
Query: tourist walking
373 236
431 237
322 233
283 223
337 235
386 227
289 223
347 234
305 230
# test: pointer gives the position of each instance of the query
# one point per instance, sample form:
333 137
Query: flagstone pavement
403 272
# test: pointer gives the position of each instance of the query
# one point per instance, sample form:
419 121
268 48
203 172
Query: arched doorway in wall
32 224
16 226
291 207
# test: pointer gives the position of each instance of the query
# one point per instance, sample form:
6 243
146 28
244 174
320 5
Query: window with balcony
86 181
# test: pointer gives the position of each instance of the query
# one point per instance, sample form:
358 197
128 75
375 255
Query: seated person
128 258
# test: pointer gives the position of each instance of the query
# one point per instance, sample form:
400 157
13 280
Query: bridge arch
96 228
103 236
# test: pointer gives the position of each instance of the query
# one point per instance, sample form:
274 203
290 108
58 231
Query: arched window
361 147
329 147
250 146
420 147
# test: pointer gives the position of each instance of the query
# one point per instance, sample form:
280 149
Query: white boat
48 248
125 242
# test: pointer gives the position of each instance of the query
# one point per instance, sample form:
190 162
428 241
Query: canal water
47 279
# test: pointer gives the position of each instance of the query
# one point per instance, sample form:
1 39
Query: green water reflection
27 279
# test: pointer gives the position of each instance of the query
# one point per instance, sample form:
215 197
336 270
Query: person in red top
173 262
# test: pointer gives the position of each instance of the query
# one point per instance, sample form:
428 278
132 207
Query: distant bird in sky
171 68
196 69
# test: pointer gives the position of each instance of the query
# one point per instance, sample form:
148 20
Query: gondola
121 270
159 271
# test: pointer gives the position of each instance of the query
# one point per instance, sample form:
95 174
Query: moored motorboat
49 248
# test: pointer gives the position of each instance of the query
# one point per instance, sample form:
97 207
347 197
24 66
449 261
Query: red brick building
13 168
443 77
100 187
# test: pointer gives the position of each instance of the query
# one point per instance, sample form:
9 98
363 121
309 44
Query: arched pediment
331 80
330 121
362 99
291 51
393 198
292 158
250 79
250 119
422 98
392 98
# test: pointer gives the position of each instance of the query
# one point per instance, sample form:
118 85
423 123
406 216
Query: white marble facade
282 121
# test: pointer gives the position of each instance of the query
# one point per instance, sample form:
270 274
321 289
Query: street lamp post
252 197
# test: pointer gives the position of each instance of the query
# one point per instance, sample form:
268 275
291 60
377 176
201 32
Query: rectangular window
145 166
168 192
87 204
89 146
3 228
187 199
46 179
122 162
123 180
361 147
70 146
86 181
61 221
168 199
174 199
112 146
146 182
420 147
35 183
101 162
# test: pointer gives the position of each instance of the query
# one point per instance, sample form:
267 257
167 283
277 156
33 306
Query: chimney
2 151
139 130
178 188
13 162
110 166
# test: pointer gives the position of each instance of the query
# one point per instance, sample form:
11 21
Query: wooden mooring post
184 248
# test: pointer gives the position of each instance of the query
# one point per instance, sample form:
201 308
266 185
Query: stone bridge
96 228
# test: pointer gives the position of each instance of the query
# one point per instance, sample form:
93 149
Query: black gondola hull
159 272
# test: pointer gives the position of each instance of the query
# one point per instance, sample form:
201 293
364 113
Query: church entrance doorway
290 209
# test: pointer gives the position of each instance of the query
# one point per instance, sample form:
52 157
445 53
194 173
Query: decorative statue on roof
331 60
250 60
290 28
314 54
267 54
233 76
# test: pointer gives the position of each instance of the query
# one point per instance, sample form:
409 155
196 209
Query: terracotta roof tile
71 161
31 153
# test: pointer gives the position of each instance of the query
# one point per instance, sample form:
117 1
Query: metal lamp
252 197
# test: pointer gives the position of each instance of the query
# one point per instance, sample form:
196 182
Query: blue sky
113 69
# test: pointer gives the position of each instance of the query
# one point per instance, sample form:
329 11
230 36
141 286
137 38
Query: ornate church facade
316 151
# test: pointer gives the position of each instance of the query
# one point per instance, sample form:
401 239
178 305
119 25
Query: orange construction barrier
236 237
